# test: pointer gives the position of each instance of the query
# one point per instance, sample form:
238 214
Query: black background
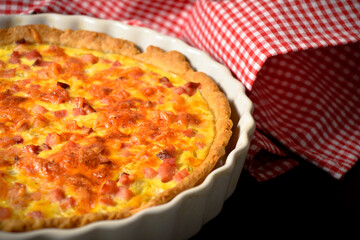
305 199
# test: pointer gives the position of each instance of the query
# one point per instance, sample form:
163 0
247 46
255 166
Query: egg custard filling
92 133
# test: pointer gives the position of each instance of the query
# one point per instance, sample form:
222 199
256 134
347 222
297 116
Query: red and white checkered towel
299 60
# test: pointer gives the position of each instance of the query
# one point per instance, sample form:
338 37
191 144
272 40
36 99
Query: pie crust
171 61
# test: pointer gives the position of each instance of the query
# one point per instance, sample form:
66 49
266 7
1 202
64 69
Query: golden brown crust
168 61
31 34
80 38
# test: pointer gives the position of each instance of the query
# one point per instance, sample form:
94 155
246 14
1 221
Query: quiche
93 128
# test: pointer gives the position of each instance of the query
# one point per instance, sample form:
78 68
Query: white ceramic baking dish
184 216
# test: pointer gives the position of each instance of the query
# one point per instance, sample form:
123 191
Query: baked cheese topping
84 131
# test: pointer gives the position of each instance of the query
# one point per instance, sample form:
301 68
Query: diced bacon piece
166 171
125 153
135 73
5 213
82 107
63 85
75 137
55 69
86 130
39 121
73 67
121 94
163 80
78 102
71 145
191 88
57 96
104 60
8 73
149 172
34 90
18 139
179 90
43 74
39 109
71 125
9 101
116 64
189 133
170 161
21 125
52 139
125 145
104 160
60 113
33 54
24 67
116 134
35 214
56 51
67 203
23 83
126 179
57 195
167 116
33 149
163 155
101 92
41 63
180 175
51 71
169 152
149 104
101 120
44 146
78 111
88 109
148 91
15 57
131 73
166 82
124 193
8 141
109 187
89 58
187 118
107 201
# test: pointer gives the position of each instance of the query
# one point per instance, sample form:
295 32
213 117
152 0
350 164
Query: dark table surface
302 198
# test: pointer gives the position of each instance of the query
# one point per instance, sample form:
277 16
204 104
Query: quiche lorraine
92 128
